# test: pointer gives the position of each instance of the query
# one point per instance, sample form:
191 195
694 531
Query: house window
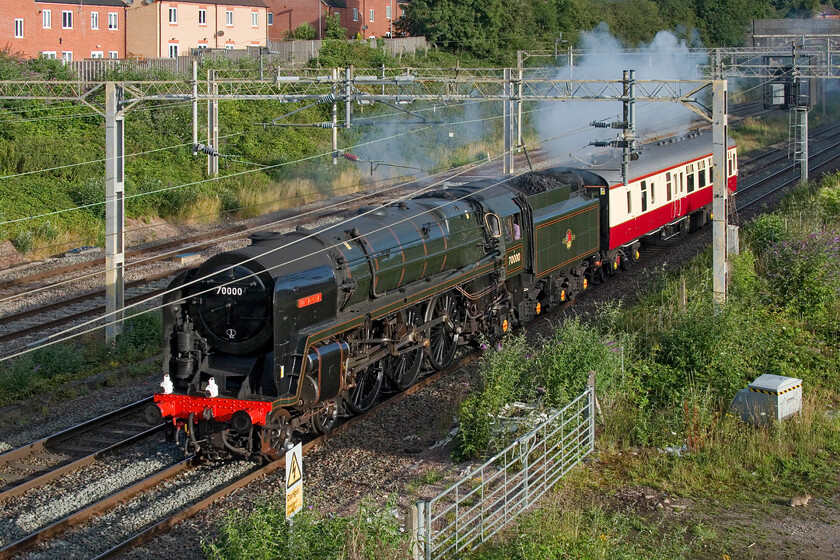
173 15
46 18
371 15
270 18
387 12
202 17
173 50
113 54
229 18
50 55
67 19
255 19
96 54
67 56
355 14
113 20
19 28
229 46
94 20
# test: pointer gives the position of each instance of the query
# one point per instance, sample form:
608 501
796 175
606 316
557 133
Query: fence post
591 404
412 527
423 534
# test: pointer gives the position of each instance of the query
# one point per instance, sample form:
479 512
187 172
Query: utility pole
114 209
507 123
213 124
195 106
720 191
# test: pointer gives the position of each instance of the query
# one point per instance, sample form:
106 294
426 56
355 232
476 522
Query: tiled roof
111 3
252 3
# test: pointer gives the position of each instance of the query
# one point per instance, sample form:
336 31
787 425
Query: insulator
329 98
350 157
598 124
206 150
325 125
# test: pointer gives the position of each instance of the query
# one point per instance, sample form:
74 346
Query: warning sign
294 481
293 471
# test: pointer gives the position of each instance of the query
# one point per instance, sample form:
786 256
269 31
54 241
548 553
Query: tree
334 29
303 32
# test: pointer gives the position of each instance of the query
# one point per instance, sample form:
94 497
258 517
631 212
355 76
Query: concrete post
720 192
507 123
114 209
213 125
194 106
335 117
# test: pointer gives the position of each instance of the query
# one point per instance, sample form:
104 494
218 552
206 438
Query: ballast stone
768 398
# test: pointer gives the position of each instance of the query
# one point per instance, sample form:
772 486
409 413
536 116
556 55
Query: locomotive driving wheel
363 395
443 335
367 382
325 419
402 370
276 433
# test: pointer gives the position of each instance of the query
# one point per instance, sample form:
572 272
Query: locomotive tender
296 329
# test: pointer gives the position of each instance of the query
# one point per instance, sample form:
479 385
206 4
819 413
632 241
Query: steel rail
97 508
52 445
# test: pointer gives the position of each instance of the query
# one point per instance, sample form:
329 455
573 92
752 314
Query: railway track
43 461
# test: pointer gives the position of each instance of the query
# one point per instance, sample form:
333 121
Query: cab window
493 224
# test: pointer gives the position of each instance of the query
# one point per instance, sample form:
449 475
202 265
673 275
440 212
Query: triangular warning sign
293 472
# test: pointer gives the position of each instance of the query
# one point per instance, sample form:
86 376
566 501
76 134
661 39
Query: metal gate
479 505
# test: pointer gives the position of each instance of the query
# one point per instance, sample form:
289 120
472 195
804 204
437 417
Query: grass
49 368
369 534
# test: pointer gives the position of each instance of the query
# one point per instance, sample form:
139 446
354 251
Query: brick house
161 28
68 29
826 11
365 18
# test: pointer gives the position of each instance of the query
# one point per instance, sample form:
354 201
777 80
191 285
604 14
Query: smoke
394 143
605 58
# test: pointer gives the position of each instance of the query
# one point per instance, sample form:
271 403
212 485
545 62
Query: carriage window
652 192
701 174
493 225
668 186
680 177
629 202
517 231
690 178
644 196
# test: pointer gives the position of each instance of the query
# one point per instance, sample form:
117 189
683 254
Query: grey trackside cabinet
768 398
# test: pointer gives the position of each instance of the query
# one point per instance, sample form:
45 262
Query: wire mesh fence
483 502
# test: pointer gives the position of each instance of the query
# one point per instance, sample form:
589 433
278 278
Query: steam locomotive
286 335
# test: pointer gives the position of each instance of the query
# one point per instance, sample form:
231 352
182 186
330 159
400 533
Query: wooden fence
278 53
